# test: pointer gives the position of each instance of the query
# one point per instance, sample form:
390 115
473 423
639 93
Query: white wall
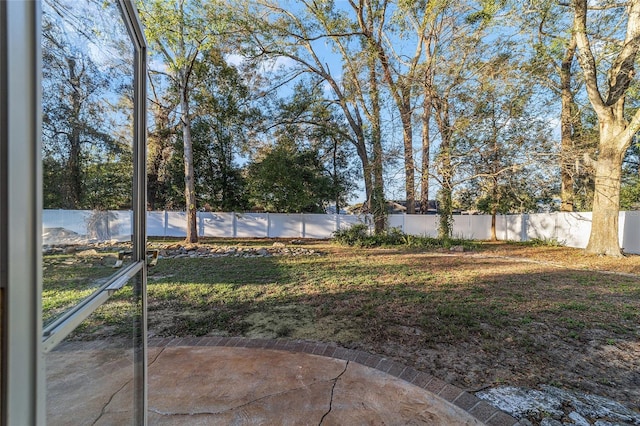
570 229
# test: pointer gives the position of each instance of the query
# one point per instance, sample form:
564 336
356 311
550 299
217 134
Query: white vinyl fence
570 229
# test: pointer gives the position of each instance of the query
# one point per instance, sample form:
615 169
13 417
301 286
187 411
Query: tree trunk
495 171
494 209
426 142
409 167
446 205
379 209
604 239
445 226
74 163
494 236
335 174
567 154
366 172
189 182
377 196
75 168
445 208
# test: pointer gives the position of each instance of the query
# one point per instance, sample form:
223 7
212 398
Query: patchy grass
502 313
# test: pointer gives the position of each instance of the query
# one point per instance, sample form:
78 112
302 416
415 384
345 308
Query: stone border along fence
570 229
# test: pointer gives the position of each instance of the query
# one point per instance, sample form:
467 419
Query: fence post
303 226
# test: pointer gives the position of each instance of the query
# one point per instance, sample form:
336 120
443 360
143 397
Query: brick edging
473 405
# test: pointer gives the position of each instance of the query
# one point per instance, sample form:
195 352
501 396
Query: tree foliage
289 179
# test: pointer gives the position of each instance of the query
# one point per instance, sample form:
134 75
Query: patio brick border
478 408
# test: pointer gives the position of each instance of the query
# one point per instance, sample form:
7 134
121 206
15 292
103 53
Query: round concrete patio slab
233 381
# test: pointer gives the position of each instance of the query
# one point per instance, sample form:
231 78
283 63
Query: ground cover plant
499 313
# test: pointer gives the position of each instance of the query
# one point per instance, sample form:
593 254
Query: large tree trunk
494 208
366 175
604 238
379 204
74 196
189 182
335 174
445 210
615 132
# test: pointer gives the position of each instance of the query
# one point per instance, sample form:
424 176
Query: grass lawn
499 314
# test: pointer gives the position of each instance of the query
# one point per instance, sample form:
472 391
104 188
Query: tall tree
361 76
225 120
371 17
460 44
179 32
282 33
323 129
607 90
504 148
428 32
555 67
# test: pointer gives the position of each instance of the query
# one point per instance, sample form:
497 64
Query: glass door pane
89 375
93 170
87 150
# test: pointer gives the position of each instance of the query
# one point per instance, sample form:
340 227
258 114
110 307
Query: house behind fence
570 229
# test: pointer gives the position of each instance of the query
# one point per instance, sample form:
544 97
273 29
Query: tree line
488 105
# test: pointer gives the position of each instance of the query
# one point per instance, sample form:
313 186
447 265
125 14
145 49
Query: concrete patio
235 381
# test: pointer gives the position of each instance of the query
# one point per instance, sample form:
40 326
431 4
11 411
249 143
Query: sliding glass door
73 135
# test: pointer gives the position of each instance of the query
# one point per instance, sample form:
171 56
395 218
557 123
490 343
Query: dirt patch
299 322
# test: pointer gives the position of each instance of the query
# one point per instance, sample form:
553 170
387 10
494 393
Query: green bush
352 236
545 242
359 236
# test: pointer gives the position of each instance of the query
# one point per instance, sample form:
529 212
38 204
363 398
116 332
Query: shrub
359 236
353 236
546 242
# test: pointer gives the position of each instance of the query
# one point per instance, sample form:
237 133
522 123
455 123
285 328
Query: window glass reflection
87 136
89 375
